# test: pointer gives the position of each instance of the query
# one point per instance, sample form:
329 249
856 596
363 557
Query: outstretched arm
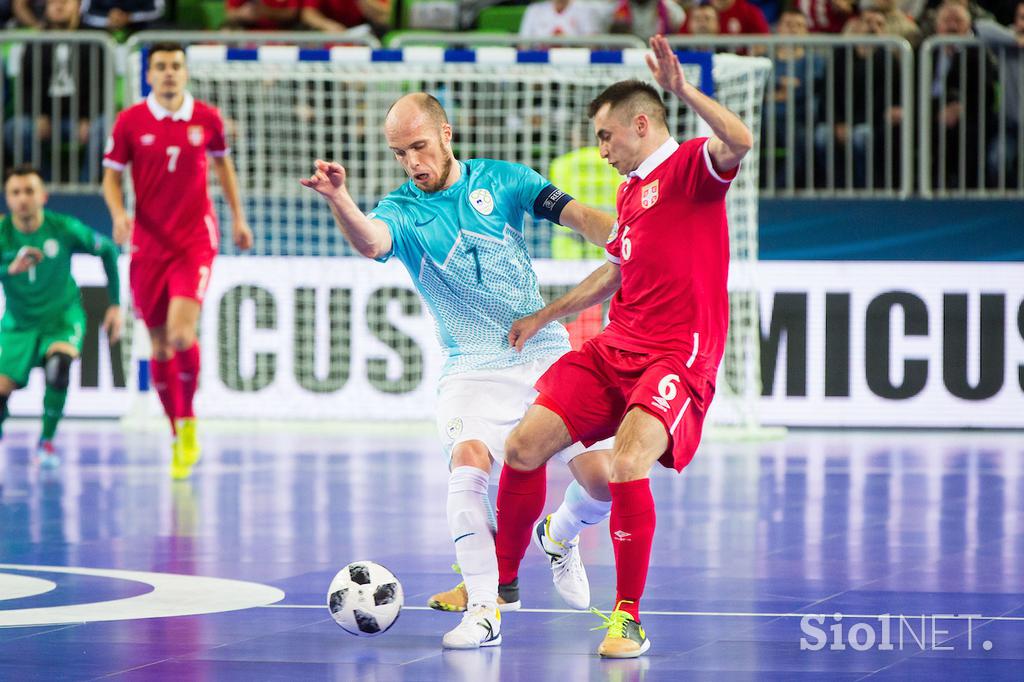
594 225
371 238
596 288
732 139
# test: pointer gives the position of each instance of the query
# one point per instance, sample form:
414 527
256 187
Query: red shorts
592 389
155 282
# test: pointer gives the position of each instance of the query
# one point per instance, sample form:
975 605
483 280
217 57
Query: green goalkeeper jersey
47 290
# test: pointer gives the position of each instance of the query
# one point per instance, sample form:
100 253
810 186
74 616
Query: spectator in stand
565 18
735 17
897 23
28 13
1009 46
124 16
929 21
702 20
963 97
262 15
858 127
826 16
647 18
70 106
795 69
740 17
341 15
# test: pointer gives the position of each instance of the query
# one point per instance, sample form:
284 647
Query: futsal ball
365 599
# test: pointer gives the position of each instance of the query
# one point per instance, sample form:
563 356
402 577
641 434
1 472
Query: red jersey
672 245
345 12
743 18
167 151
270 24
823 16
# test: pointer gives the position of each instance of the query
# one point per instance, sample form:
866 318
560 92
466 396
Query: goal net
303 328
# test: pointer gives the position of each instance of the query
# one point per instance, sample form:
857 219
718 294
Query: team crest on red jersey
195 135
649 194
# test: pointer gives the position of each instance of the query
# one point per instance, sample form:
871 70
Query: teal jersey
464 248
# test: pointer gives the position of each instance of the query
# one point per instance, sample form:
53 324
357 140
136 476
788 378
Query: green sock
53 410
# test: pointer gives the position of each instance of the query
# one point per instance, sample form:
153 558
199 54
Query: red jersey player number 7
166 140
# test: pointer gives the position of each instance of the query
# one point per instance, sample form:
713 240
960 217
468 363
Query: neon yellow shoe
186 449
625 638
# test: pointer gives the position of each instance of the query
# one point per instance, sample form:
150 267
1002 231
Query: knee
181 338
520 454
627 465
58 370
471 454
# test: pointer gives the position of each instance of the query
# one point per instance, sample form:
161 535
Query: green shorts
22 348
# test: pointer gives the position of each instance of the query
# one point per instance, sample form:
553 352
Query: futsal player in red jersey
174 237
649 377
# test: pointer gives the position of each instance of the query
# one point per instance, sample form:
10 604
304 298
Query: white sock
489 497
578 509
474 540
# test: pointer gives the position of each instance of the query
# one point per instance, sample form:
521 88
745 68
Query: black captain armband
549 204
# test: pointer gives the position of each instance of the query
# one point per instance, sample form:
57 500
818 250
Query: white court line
706 614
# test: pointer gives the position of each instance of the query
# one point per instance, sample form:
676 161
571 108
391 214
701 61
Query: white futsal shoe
567 571
480 626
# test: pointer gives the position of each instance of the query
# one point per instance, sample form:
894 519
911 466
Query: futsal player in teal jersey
457 227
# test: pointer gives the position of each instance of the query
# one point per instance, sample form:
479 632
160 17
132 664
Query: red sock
520 503
165 382
632 529
188 378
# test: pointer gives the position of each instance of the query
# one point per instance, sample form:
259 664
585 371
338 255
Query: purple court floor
826 556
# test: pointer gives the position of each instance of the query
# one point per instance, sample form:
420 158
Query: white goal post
302 329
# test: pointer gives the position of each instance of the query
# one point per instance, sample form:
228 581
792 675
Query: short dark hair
163 47
800 13
22 170
634 97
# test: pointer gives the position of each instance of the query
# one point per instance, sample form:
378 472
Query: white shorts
486 405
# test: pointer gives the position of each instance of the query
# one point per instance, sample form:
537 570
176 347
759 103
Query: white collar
659 155
184 113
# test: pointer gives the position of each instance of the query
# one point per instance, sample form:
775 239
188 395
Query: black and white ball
365 599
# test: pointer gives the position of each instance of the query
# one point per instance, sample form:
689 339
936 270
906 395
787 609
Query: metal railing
616 41
60 106
969 129
834 123
253 38
837 122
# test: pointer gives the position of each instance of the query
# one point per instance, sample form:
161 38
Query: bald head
419 105
418 134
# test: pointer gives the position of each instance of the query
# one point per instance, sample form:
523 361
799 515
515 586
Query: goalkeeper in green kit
44 322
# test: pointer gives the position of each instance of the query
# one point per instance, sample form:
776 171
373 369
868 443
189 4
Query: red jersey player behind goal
649 377
166 139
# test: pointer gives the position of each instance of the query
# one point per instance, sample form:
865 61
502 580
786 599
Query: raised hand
328 178
665 67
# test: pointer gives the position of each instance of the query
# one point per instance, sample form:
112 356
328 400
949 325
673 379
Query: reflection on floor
925 527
